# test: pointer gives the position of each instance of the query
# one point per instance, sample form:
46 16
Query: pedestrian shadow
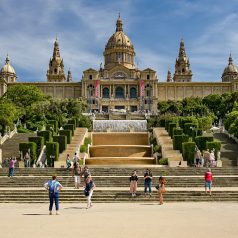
34 214
148 204
75 208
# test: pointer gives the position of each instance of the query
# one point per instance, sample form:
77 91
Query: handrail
8 135
41 158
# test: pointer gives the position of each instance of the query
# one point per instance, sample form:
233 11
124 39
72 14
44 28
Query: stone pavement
185 220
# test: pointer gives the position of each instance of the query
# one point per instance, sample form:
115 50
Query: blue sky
208 27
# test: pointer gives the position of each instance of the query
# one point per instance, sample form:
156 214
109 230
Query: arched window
55 70
133 92
119 92
105 93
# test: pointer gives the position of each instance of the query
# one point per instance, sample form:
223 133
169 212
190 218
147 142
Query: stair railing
42 157
8 135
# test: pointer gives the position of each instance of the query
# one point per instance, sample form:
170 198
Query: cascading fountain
119 125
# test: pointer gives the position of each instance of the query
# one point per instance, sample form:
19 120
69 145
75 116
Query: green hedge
171 128
72 121
197 132
163 161
162 122
46 134
189 152
85 121
178 140
189 128
184 120
202 140
167 124
177 131
68 134
214 145
55 124
157 148
24 147
70 127
84 148
50 127
39 140
52 149
87 141
62 140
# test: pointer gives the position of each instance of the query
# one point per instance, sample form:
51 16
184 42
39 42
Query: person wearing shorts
208 181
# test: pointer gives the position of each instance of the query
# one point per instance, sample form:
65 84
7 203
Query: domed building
230 72
7 72
119 83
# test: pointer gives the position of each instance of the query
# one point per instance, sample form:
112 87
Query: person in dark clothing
147 181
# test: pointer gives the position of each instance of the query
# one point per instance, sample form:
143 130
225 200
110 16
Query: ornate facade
119 84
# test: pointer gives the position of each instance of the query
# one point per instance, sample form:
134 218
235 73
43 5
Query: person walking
147 181
76 174
88 190
208 181
11 167
68 162
54 187
133 183
86 173
75 158
161 189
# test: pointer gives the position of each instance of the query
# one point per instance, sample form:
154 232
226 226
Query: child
133 183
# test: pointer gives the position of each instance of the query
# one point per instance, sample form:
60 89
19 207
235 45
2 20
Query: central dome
119 49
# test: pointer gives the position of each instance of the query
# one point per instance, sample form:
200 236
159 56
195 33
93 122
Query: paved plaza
116 220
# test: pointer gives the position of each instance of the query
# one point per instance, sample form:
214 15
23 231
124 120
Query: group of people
53 186
147 184
207 158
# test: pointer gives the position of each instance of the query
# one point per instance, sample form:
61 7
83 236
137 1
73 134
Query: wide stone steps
118 181
10 148
41 196
123 171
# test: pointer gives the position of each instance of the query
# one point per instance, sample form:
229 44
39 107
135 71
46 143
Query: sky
28 30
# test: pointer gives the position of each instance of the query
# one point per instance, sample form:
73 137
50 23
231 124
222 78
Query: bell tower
55 73
183 73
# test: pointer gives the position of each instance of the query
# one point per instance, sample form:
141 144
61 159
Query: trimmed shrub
177 131
189 128
167 124
50 127
195 133
52 149
62 140
171 129
84 148
202 140
39 140
214 145
87 141
72 121
70 127
157 148
163 161
24 147
188 152
67 133
22 129
178 140
55 124
46 134
162 122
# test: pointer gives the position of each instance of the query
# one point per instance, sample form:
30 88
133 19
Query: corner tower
55 73
230 72
183 73
119 49
7 72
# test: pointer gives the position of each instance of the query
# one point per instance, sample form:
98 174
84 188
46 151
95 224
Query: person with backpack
54 187
88 190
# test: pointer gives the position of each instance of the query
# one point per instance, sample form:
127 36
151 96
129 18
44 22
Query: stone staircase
111 148
163 139
10 148
183 184
77 140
